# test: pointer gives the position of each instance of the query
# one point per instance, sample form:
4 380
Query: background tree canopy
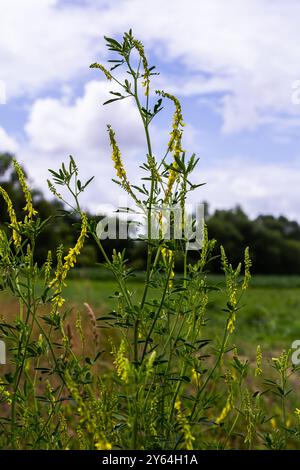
274 241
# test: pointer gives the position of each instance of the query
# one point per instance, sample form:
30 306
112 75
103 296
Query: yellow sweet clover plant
162 381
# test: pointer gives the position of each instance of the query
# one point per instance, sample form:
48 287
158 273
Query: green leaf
114 67
157 106
116 93
54 173
87 183
111 101
64 169
112 44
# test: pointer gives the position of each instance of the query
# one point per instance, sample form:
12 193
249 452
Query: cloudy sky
233 64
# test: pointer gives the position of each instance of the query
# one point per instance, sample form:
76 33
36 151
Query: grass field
270 315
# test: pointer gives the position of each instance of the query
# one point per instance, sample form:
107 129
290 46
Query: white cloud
62 126
57 128
246 51
257 186
7 143
57 125
44 44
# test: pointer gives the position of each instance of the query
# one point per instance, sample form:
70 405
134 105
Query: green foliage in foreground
162 380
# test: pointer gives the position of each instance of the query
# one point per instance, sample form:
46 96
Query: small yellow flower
196 376
140 48
118 164
258 370
150 364
59 300
248 264
103 445
27 194
69 262
224 259
173 175
5 395
103 69
87 418
48 267
273 423
297 412
185 427
54 191
231 284
229 405
71 257
231 323
12 216
174 144
116 155
121 362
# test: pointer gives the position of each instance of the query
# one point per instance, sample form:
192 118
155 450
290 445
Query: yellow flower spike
224 259
118 164
248 264
12 217
48 267
153 167
150 364
116 155
231 284
87 417
174 144
229 405
27 194
258 370
71 257
185 427
5 395
59 265
121 362
103 69
225 411
54 191
103 445
297 413
140 48
273 423
196 377
231 323
168 258
69 261
171 180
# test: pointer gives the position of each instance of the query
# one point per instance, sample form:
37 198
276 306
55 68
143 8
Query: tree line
274 241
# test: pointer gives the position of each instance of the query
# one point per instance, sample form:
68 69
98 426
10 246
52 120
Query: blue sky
233 64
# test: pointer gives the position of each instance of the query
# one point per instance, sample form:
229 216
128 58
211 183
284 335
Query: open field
270 315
